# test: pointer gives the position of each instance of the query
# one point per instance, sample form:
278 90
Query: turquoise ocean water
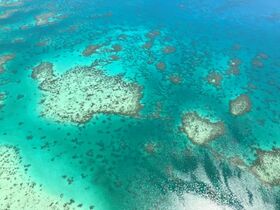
106 157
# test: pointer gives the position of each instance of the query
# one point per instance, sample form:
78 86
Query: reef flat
79 93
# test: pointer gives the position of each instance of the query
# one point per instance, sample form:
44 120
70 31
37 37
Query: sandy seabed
18 191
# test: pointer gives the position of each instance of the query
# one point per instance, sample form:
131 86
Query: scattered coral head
161 66
90 49
150 148
153 34
115 57
47 18
234 66
257 61
169 50
19 191
214 78
148 45
116 48
175 79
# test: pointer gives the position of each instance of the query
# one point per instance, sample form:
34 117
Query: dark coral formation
161 66
169 50
175 79
214 78
90 49
44 71
257 61
234 66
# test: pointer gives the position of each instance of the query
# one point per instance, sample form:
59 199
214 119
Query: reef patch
214 78
79 93
2 99
201 130
267 166
90 49
4 59
240 105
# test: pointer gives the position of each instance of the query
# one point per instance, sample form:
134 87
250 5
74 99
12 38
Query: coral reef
169 50
47 18
4 59
2 99
79 93
116 48
267 166
240 105
8 13
234 66
201 130
175 79
10 3
257 61
90 49
161 66
153 34
44 71
151 148
214 78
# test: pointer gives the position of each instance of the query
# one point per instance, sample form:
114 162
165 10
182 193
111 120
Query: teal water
106 157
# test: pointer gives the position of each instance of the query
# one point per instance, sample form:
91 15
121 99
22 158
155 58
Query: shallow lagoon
143 159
